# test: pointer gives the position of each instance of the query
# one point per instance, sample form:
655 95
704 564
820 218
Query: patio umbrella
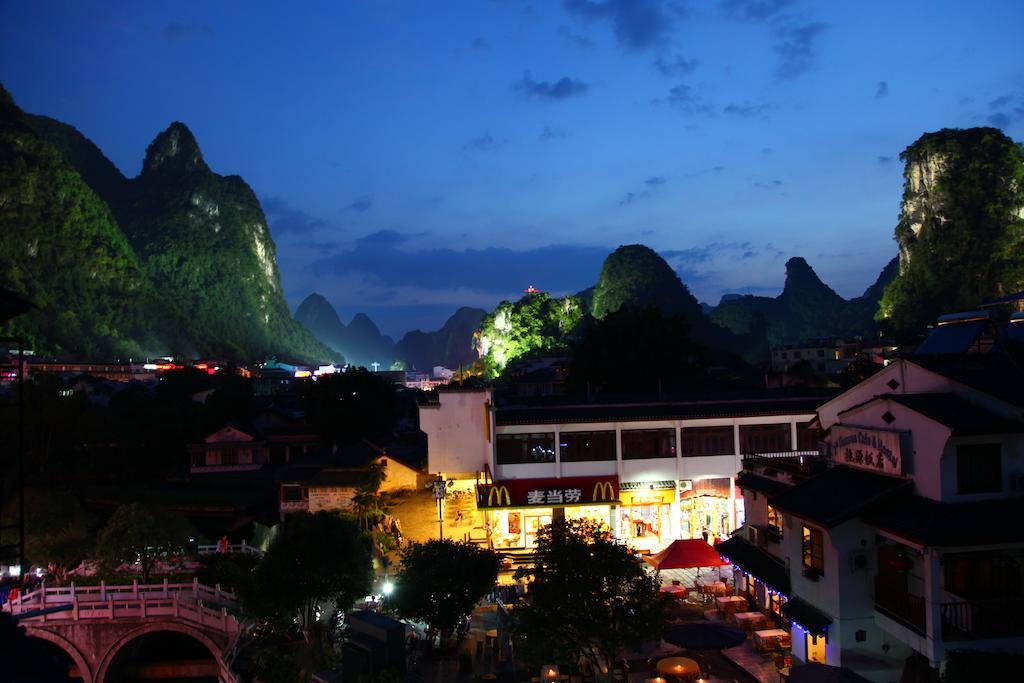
823 673
704 635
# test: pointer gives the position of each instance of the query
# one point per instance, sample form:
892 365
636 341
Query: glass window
814 550
775 523
707 441
638 444
517 449
765 438
586 446
979 468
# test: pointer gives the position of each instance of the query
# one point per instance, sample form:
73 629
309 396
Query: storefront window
587 446
517 449
638 444
774 438
707 441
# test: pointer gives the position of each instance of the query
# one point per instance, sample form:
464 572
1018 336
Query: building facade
899 544
650 472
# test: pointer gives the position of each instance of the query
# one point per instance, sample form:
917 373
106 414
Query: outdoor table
731 604
678 667
676 591
749 621
769 638
714 588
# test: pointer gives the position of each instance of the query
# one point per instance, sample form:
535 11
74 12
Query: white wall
456 432
1012 466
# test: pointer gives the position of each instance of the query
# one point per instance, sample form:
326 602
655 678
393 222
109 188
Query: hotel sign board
866 448
518 493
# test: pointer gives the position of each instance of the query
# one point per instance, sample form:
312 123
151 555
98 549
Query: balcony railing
780 455
971 620
893 600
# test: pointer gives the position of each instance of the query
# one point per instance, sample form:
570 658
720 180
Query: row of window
640 444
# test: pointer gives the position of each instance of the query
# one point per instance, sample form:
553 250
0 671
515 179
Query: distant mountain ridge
209 281
806 308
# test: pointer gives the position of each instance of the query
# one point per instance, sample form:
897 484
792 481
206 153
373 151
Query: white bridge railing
242 548
194 602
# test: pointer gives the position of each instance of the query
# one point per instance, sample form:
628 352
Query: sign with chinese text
548 492
871 449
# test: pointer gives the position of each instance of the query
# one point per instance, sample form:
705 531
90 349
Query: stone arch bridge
92 624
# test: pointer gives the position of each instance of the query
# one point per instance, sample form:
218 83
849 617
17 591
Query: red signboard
517 493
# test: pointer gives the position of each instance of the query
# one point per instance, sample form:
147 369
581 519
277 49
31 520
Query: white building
652 472
907 546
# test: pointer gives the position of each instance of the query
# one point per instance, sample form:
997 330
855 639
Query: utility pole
440 489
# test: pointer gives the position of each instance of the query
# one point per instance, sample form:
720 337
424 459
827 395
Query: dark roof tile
836 495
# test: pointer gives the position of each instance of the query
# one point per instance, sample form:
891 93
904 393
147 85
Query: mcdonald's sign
603 491
501 491
549 492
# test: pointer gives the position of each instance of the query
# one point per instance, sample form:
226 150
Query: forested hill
177 260
961 227
61 249
806 308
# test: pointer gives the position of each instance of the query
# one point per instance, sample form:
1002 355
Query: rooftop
837 495
997 374
933 523
957 413
765 485
753 560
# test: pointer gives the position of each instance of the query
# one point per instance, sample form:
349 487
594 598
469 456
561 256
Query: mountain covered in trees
177 260
452 346
961 227
806 308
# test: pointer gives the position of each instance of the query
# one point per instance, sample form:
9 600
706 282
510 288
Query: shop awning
686 554
806 616
756 562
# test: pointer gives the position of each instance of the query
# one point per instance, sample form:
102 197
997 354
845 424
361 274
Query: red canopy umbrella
687 554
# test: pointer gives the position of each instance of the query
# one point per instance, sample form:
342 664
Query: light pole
440 489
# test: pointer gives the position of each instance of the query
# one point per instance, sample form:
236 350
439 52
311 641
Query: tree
314 559
143 533
56 531
589 597
441 581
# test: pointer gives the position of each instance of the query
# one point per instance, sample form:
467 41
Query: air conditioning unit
858 560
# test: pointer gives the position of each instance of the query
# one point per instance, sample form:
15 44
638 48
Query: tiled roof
957 413
806 615
933 523
765 485
753 560
837 494
995 374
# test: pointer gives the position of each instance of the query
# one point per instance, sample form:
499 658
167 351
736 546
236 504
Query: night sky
413 157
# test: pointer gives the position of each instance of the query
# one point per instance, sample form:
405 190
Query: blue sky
417 156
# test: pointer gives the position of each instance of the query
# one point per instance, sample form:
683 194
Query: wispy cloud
747 111
284 218
683 98
797 49
769 185
479 44
562 89
1005 111
484 142
884 160
577 40
676 65
361 204
881 90
549 133
650 186
754 10
637 24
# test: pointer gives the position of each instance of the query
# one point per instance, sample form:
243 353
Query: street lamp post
440 489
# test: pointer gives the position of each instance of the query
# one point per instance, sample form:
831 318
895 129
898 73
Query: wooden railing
975 619
194 602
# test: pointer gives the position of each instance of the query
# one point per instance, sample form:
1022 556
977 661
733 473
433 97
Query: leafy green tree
589 596
57 530
314 563
143 533
441 581
534 324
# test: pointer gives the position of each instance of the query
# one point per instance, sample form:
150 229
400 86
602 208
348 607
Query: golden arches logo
605 489
501 491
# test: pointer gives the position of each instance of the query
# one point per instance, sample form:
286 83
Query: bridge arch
157 627
68 647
